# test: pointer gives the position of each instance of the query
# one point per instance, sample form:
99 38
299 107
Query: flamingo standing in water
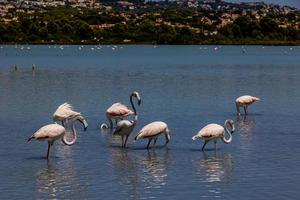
244 101
118 111
50 133
125 127
216 131
152 131
65 114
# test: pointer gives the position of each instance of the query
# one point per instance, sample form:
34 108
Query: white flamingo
118 111
65 113
244 101
50 133
124 128
215 132
152 131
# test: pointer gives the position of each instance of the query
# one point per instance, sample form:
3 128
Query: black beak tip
85 128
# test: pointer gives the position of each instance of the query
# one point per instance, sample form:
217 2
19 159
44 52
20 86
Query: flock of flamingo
65 117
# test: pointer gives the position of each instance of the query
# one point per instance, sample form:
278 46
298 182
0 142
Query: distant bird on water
50 133
215 132
117 111
244 101
66 115
153 131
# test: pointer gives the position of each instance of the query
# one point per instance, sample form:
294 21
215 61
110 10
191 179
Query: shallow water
185 86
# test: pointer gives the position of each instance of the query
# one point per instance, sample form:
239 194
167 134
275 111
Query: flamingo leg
215 141
238 109
122 140
48 151
245 109
111 126
149 143
126 138
206 141
154 141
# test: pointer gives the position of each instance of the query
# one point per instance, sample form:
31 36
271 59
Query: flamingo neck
226 130
167 135
69 143
132 104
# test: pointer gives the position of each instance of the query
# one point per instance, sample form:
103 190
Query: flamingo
50 133
125 127
152 131
65 114
118 110
244 101
216 131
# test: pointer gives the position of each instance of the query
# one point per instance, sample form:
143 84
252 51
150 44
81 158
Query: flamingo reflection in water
59 181
245 124
215 168
155 168
125 168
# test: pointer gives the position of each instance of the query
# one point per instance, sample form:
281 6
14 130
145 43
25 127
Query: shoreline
265 43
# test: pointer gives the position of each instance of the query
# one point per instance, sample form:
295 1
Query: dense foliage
66 25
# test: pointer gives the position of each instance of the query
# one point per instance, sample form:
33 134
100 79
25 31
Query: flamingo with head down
244 101
215 132
117 111
153 131
66 115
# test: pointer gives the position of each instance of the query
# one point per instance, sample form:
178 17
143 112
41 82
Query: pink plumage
245 101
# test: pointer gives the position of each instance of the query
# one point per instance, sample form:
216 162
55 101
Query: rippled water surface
185 86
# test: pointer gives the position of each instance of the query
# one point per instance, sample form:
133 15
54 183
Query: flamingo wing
152 129
211 131
246 99
49 131
65 111
118 109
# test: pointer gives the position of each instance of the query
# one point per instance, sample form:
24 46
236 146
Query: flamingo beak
29 139
84 123
139 102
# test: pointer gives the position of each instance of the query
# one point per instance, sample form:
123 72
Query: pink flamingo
65 113
118 111
50 133
152 131
244 101
124 128
216 131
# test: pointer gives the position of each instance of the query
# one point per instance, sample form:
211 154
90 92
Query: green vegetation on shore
172 26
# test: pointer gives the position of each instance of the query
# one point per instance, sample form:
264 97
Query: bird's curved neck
69 143
132 104
227 131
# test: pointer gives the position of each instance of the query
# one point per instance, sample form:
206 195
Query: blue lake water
185 86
